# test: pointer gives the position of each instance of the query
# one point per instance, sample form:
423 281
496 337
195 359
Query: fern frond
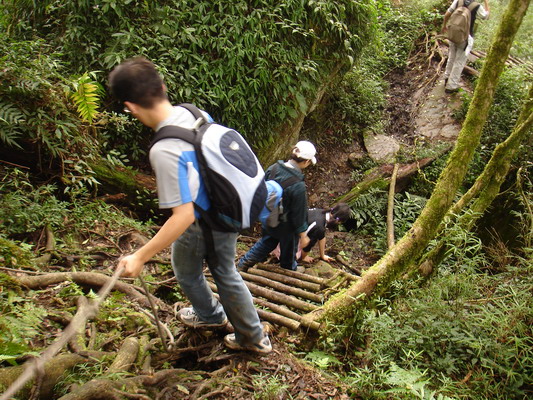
10 117
87 98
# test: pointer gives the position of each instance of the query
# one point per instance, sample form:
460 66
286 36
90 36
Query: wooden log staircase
283 297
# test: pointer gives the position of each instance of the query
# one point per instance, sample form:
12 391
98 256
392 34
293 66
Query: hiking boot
300 269
190 318
263 347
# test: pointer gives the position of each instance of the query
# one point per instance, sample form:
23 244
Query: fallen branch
90 310
88 279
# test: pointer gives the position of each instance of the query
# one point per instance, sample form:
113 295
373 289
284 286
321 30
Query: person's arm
447 16
182 217
322 249
445 22
304 241
484 11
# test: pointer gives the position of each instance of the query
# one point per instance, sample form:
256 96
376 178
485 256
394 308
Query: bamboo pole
292 274
282 287
313 287
275 296
390 207
278 319
281 310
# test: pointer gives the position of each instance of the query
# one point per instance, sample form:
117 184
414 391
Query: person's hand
444 30
308 259
133 266
326 258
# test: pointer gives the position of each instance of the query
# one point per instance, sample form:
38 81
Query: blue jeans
288 245
188 253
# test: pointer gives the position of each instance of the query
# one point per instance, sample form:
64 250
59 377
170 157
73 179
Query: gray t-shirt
176 166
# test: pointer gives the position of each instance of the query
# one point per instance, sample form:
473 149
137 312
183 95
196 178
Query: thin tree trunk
487 185
390 208
394 263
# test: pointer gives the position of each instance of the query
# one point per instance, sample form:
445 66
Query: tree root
87 279
53 370
138 387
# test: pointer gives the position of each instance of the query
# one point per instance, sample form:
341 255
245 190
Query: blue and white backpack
231 172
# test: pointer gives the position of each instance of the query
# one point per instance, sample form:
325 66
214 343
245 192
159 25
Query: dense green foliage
356 104
466 333
251 64
508 100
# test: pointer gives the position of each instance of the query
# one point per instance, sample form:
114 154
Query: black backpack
273 213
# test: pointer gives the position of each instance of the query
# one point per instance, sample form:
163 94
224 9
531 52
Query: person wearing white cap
292 229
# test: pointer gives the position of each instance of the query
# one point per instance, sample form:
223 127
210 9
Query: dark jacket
294 200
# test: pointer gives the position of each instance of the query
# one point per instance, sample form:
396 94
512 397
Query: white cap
305 150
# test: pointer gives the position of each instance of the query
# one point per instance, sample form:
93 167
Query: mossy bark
13 256
395 262
487 185
118 180
53 371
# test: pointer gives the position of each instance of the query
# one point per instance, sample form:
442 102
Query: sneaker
263 347
190 318
300 269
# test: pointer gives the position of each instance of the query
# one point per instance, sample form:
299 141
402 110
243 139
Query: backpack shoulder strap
289 181
286 182
175 132
472 6
195 111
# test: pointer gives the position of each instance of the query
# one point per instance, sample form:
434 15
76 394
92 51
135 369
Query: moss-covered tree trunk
379 277
487 185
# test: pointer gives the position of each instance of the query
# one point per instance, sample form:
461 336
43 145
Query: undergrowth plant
20 321
369 212
464 334
251 65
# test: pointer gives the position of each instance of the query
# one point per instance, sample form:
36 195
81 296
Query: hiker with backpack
182 188
292 224
458 26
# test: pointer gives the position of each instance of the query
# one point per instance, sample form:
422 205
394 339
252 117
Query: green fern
87 97
10 117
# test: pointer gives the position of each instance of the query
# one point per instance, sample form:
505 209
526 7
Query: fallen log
314 287
278 319
380 176
282 287
293 274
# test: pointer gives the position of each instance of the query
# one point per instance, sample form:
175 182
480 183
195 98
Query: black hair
298 159
341 212
136 80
